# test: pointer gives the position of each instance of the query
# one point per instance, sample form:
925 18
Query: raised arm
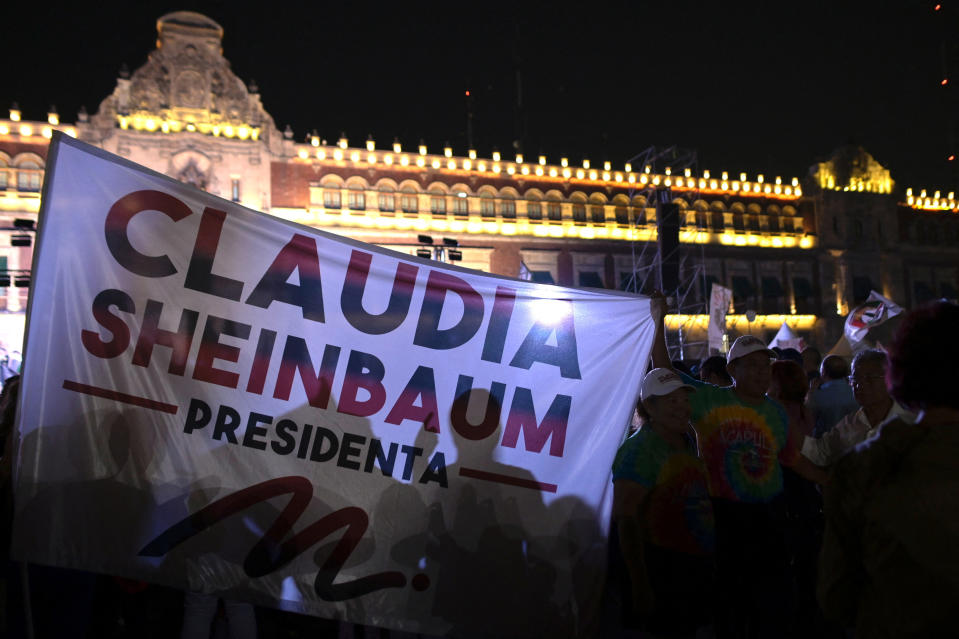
657 307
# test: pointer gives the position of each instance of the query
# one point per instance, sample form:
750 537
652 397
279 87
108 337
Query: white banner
719 299
871 313
223 401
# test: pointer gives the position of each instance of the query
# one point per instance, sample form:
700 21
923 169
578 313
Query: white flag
873 312
719 299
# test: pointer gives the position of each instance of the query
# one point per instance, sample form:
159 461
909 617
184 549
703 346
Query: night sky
762 87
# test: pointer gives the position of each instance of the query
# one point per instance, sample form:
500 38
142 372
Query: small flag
873 312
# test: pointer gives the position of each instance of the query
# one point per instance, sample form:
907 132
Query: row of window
581 213
26 177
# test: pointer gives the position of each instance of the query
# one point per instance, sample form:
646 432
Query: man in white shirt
868 381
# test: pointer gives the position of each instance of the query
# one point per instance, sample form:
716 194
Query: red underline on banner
106 393
507 479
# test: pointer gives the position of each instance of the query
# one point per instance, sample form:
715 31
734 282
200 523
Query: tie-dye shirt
743 445
677 513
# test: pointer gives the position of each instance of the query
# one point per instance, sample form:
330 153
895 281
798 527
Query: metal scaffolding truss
647 258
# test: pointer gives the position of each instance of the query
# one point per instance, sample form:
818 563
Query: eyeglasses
864 379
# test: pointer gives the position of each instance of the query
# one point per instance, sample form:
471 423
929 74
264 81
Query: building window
743 291
639 215
487 206
461 205
598 213
579 213
534 211
772 295
591 279
738 223
509 209
332 199
28 176
554 211
409 202
802 294
774 223
387 202
438 205
622 215
357 201
702 220
235 189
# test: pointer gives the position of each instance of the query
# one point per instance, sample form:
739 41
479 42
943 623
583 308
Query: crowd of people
779 496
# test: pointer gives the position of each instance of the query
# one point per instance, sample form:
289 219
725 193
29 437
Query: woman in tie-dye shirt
663 513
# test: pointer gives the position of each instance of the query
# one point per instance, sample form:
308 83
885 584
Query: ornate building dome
186 85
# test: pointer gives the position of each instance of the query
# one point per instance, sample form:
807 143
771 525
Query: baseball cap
745 345
661 381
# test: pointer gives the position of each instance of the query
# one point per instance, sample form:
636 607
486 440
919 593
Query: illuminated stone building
796 251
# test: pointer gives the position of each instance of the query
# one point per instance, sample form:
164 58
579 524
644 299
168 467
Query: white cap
745 345
661 381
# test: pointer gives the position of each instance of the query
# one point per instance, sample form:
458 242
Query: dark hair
813 352
870 356
641 409
715 365
835 367
681 366
923 356
791 355
792 380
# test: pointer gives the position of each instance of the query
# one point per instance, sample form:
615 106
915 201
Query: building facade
799 251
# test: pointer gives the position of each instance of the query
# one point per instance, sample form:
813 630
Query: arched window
461 203
487 206
638 206
621 211
332 198
597 213
579 209
409 201
386 200
4 175
437 203
508 207
534 209
774 216
332 187
554 211
356 199
29 176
